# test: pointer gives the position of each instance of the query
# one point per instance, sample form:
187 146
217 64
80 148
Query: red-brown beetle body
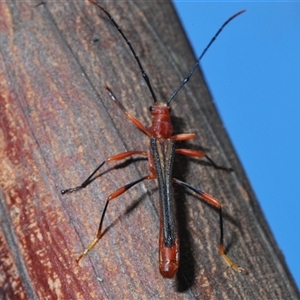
160 158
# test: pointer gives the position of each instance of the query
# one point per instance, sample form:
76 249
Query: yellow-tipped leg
231 263
90 247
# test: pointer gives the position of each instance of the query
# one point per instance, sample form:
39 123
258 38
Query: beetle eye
151 108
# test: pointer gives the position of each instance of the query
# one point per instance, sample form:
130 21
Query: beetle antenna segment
145 76
185 80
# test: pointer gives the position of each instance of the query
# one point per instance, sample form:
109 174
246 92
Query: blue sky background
253 72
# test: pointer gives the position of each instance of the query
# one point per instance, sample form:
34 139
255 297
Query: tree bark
58 123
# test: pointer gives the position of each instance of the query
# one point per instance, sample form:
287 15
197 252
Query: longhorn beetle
160 158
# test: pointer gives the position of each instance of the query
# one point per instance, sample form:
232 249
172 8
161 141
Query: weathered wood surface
58 123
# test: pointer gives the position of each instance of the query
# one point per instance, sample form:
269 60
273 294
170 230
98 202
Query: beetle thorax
161 122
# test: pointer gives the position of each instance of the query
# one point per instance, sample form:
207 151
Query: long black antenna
145 76
185 80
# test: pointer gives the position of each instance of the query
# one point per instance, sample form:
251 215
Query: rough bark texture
58 123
